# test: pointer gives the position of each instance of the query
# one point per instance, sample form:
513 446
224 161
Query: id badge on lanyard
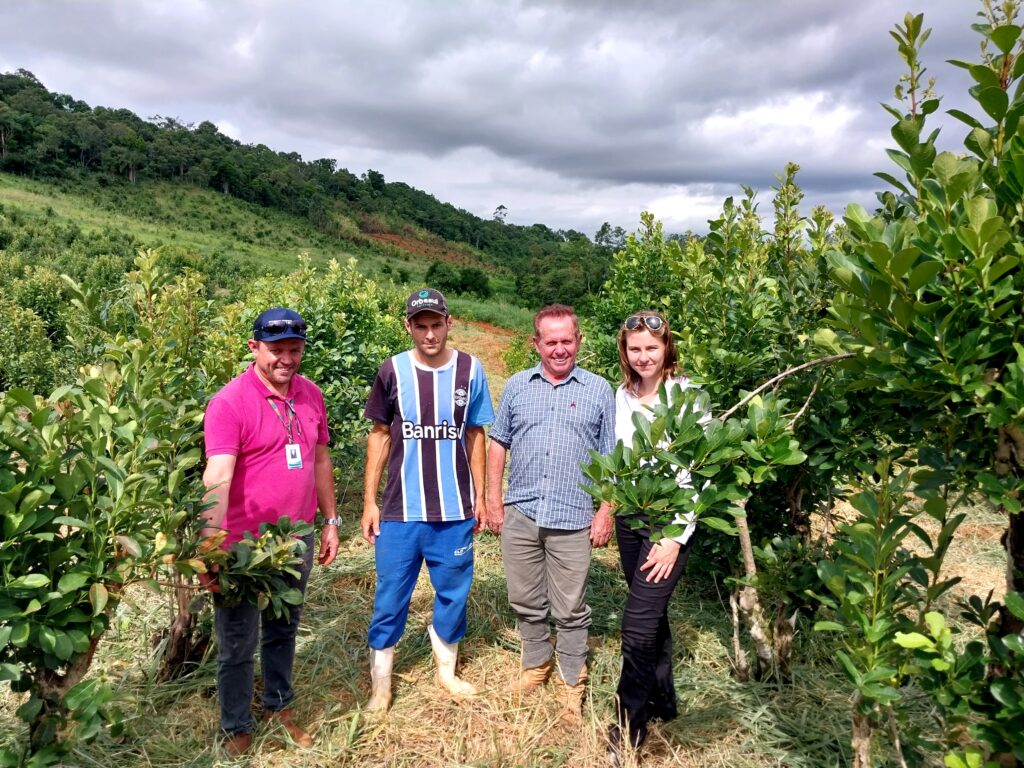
292 450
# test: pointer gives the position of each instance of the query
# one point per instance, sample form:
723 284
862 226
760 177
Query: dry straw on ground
722 722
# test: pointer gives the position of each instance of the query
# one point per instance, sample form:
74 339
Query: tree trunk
783 630
740 664
186 645
800 519
51 686
1009 461
750 602
861 740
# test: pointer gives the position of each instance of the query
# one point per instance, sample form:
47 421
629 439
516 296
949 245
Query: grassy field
201 222
801 724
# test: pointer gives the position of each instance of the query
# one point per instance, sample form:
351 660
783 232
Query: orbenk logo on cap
426 300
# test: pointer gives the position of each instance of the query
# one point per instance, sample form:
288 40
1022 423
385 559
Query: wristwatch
332 521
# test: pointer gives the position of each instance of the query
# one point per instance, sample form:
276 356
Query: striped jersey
428 411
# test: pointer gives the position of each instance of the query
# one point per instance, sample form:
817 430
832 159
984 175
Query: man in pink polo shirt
266 458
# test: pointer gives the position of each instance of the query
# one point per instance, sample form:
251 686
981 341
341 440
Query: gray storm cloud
568 113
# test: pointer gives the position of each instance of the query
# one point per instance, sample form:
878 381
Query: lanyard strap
291 416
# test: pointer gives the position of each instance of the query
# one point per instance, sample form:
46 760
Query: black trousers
646 691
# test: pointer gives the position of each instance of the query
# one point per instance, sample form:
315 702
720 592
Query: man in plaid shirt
548 418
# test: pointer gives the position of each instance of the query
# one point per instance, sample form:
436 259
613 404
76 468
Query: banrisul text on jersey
442 431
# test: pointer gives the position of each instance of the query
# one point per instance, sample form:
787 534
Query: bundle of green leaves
256 568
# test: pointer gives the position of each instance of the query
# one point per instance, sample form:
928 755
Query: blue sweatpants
399 551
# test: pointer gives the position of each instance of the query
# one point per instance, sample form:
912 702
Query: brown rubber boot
237 744
531 679
571 697
286 718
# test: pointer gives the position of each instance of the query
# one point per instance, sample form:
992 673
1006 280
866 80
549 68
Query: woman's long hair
630 378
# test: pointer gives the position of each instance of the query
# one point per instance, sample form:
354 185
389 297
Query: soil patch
433 251
484 341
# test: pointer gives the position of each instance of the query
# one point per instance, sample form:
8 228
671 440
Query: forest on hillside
56 136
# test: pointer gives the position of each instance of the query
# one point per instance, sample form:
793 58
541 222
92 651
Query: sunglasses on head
274 327
653 322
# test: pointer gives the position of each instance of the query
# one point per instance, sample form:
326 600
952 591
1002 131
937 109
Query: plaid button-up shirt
548 428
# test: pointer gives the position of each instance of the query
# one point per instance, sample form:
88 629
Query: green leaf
994 101
903 260
969 759
22 397
907 134
1005 37
719 525
979 141
47 639
80 694
984 76
1014 602
20 633
72 581
923 274
31 500
1000 268
63 648
1004 691
130 545
9 672
888 177
828 626
30 709
964 118
31 581
851 670
913 640
936 623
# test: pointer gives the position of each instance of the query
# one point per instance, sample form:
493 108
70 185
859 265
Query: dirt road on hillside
487 343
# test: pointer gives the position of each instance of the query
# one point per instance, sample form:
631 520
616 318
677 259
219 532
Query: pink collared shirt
241 422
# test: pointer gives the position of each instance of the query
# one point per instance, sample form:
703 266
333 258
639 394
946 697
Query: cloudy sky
567 112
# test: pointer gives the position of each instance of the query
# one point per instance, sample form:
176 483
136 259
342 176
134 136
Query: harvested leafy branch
254 569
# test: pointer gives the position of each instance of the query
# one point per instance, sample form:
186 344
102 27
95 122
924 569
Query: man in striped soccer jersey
429 406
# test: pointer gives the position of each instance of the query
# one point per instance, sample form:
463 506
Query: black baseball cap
426 300
277 324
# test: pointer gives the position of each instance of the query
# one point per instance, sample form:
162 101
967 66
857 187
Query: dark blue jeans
238 632
646 691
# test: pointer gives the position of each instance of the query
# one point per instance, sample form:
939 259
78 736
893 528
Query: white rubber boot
381 663
445 656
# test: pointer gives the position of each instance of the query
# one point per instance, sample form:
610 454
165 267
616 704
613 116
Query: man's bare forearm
377 447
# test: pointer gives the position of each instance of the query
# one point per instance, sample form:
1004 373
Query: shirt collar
537 372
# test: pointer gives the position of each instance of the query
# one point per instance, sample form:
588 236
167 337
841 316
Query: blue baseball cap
277 324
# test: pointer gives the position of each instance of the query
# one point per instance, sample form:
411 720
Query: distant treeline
45 134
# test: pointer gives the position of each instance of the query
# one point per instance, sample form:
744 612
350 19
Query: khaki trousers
546 571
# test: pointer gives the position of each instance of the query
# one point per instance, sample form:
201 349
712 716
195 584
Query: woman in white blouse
646 692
